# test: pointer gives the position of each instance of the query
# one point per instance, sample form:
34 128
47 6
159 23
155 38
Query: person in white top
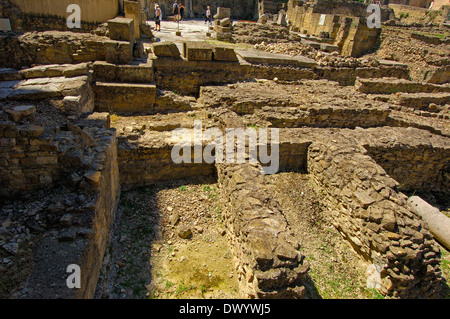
158 17
208 15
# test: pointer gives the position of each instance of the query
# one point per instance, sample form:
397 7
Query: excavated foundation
89 176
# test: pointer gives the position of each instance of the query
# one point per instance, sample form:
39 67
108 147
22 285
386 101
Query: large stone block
222 13
134 73
197 51
131 7
226 36
220 29
124 97
259 57
166 49
119 52
132 11
121 29
224 54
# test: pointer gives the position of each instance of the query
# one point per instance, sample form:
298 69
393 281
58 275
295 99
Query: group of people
178 10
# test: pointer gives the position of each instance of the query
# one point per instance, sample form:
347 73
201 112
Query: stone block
329 47
282 19
226 22
119 52
197 51
166 49
224 54
124 97
132 11
21 111
221 29
72 104
7 74
121 29
131 7
129 73
260 57
222 13
76 70
227 36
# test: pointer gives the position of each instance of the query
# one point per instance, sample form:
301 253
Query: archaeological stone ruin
115 168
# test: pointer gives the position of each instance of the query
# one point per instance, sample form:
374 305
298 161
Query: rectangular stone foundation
124 97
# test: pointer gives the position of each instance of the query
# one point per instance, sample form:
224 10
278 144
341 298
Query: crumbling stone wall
375 219
267 257
77 165
29 158
421 167
143 163
17 51
343 21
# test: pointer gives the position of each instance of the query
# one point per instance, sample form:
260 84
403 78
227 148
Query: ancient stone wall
420 168
186 77
375 219
107 186
267 257
345 22
29 158
75 169
142 164
50 48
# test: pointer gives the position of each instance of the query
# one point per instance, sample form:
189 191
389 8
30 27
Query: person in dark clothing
176 11
182 9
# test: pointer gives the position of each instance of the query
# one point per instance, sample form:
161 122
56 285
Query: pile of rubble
332 59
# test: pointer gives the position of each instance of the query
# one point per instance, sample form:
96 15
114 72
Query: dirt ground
149 258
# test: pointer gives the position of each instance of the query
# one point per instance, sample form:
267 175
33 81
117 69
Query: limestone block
282 19
76 70
166 49
197 51
134 73
132 11
21 111
224 54
124 97
42 71
224 36
119 52
221 29
222 13
72 104
121 29
226 22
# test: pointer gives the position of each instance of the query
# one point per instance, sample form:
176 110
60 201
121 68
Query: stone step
124 97
422 101
260 57
43 88
127 73
394 85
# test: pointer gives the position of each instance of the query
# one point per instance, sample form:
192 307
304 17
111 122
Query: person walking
176 11
182 9
158 17
208 15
